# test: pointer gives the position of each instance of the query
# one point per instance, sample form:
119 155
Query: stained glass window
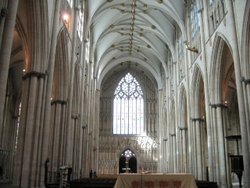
80 25
128 107
70 2
194 19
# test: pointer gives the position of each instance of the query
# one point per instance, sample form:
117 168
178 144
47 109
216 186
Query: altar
155 181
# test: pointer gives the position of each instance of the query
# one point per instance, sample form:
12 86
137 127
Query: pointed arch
215 76
61 70
245 47
183 107
172 120
197 93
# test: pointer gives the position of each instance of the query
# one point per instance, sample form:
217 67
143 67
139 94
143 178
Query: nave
101 84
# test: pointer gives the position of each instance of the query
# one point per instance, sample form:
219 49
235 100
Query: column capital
198 119
75 116
218 105
245 80
34 74
182 128
58 101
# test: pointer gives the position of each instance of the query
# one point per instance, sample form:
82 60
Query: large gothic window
128 113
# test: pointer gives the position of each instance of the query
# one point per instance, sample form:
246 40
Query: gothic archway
198 126
128 162
224 107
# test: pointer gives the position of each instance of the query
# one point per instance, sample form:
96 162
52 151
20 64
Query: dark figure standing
90 174
94 174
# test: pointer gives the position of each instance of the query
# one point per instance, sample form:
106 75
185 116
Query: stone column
213 172
69 143
97 128
246 90
173 152
204 151
164 156
204 32
241 103
200 148
222 169
183 151
5 53
75 145
194 148
3 12
198 154
48 86
28 158
57 134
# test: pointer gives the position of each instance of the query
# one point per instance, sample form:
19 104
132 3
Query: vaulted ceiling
134 32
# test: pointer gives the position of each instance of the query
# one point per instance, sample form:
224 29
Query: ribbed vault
135 31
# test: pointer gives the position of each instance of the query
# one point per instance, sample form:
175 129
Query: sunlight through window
128 114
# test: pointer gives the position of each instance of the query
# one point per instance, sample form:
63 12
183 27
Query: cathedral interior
116 86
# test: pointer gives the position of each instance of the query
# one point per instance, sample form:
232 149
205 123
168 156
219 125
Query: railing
6 165
60 178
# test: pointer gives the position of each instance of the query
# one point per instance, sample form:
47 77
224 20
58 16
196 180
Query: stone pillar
200 134
198 149
222 167
183 150
3 12
28 158
198 153
214 173
57 133
5 53
204 32
48 86
165 156
246 90
241 103
75 145
97 127
194 148
172 153
204 150
70 128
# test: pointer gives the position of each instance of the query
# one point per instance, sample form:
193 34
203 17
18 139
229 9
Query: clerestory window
80 24
194 19
128 107
70 2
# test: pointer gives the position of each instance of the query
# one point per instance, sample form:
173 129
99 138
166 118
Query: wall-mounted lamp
190 48
65 18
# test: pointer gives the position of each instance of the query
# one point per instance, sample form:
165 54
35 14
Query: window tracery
128 104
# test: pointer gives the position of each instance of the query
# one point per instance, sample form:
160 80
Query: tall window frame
128 107
80 23
194 19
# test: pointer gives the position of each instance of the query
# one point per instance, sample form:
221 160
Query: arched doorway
127 162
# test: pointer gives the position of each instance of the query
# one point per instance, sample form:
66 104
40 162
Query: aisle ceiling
134 32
